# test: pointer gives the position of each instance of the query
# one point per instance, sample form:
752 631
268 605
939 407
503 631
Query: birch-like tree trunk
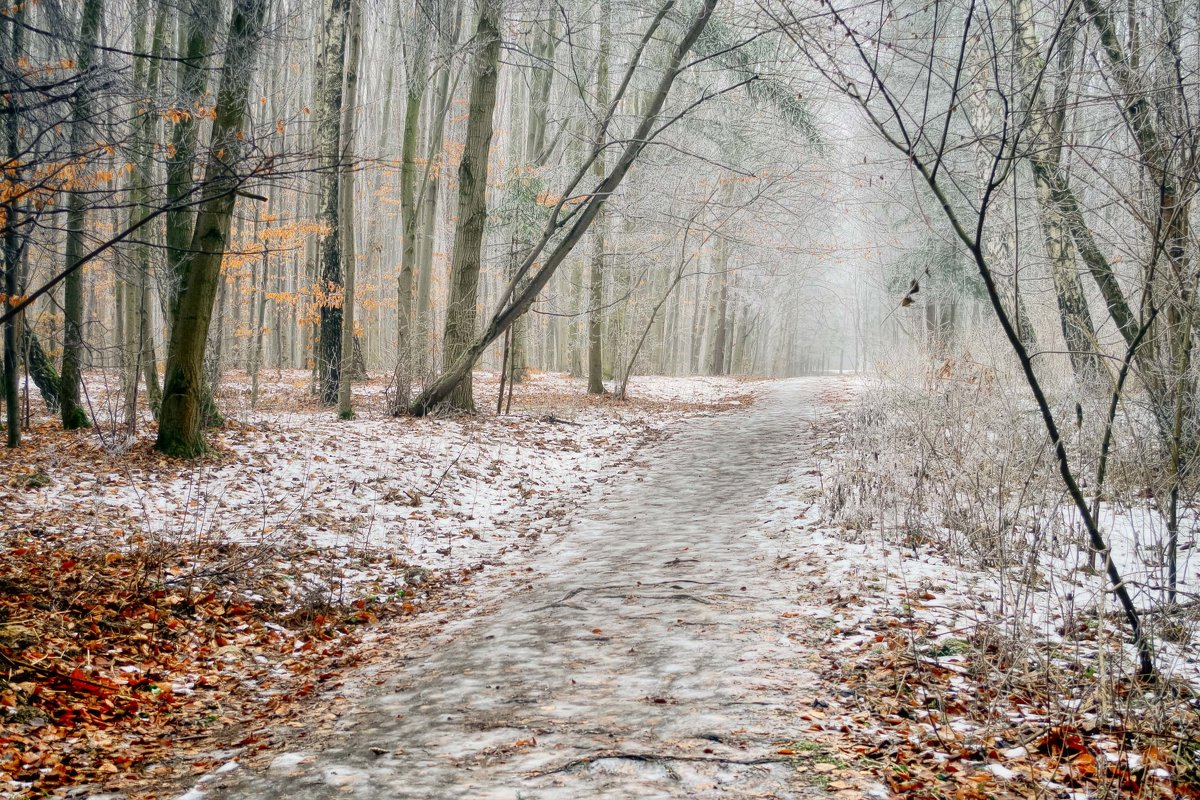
1045 153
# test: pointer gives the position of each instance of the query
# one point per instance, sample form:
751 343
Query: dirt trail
648 656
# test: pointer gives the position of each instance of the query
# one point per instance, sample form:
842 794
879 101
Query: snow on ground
236 586
441 494
924 651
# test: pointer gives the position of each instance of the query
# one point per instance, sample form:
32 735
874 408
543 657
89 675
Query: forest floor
585 599
155 615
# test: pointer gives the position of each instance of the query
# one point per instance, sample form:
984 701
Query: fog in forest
594 398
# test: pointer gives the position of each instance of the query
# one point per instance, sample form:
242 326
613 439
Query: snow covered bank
968 648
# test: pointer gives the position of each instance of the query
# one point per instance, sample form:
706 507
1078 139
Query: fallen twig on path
617 754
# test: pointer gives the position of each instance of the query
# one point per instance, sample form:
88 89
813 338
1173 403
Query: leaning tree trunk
41 369
181 420
515 303
73 415
1076 320
472 206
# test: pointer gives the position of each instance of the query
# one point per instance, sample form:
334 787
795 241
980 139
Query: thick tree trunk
195 19
472 206
328 145
181 420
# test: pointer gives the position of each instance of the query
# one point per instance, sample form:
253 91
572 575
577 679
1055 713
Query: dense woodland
414 175
983 211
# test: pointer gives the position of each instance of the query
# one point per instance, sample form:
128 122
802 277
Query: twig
607 754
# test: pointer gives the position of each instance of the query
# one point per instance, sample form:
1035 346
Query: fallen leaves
108 664
951 726
152 611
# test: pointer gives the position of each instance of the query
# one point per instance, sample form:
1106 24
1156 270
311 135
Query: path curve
649 657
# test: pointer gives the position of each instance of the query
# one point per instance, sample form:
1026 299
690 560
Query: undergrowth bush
949 455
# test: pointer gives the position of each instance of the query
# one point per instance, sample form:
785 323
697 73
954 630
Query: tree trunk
14 327
73 415
329 115
1076 320
180 423
139 338
41 369
595 318
408 256
720 333
354 45
595 299
195 21
472 206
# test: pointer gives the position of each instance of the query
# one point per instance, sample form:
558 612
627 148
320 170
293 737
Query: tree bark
346 372
139 336
1046 147
472 206
406 283
41 369
15 326
329 115
73 414
181 155
595 318
720 334
181 420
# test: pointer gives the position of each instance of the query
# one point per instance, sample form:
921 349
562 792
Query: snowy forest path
654 653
